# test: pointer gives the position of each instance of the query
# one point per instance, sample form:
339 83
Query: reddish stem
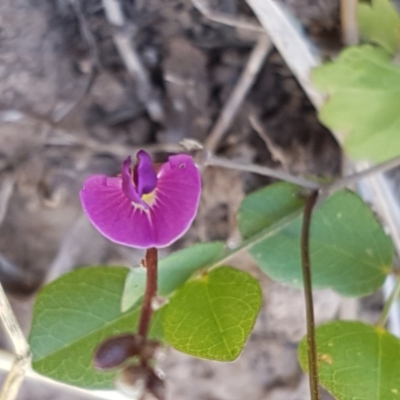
151 264
307 282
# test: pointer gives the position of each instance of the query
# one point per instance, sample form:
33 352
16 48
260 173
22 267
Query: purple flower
145 206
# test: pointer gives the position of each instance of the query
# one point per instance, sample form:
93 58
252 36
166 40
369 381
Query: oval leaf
72 316
212 316
364 98
379 23
350 252
267 206
135 285
173 271
356 361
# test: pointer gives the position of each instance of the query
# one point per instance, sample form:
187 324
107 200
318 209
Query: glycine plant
97 327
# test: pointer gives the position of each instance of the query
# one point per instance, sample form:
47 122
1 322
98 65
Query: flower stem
355 177
306 266
261 170
151 264
388 304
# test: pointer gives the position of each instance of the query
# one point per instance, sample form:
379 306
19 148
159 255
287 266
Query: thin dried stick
253 66
393 297
16 374
225 19
63 138
86 33
276 154
132 61
6 363
11 326
291 42
60 115
6 190
393 323
14 379
348 11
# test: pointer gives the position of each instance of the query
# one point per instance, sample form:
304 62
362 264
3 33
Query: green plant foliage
364 102
379 23
173 271
178 267
212 315
356 361
267 206
350 253
72 316
134 288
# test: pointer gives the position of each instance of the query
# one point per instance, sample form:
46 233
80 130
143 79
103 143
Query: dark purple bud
116 350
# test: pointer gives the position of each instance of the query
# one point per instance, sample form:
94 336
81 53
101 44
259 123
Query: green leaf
135 285
356 361
72 316
267 206
173 271
364 102
212 316
350 252
380 23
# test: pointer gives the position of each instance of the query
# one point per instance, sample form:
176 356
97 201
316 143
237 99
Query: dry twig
132 61
64 138
6 190
253 66
87 35
16 374
349 27
225 19
291 42
276 153
6 363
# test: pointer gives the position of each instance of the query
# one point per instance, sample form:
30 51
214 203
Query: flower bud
116 350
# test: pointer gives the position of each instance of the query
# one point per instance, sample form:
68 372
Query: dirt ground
69 107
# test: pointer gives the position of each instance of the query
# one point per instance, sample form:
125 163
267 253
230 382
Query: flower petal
113 207
113 214
176 200
127 185
144 174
